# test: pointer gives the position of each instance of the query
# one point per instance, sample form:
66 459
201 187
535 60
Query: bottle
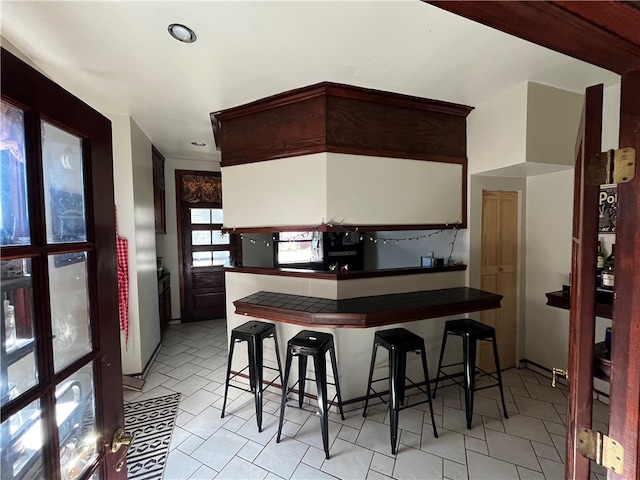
608 264
9 325
600 259
607 273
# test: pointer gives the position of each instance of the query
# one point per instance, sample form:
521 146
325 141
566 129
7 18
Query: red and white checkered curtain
122 250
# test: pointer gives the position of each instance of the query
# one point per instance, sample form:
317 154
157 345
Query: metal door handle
120 439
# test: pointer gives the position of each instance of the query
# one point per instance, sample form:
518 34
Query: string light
372 238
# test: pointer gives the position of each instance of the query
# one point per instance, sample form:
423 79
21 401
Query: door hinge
612 166
602 449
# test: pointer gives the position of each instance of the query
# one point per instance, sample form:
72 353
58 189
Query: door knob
557 372
121 439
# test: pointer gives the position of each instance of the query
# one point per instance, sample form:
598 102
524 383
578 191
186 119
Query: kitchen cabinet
164 299
158 190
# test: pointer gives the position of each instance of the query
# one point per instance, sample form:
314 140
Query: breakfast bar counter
369 311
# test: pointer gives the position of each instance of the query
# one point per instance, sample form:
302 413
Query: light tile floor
193 359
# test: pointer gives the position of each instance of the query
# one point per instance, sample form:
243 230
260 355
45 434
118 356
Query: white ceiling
118 57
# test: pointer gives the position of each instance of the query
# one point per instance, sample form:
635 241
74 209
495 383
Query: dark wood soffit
330 117
602 33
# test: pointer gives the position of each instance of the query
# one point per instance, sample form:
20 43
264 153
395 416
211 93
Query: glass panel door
60 340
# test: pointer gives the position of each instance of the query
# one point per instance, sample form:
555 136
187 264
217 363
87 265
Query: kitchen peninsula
337 158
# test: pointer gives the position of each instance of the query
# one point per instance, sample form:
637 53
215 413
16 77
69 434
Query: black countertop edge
351 275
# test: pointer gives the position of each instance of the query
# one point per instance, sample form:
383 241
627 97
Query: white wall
167 244
336 188
133 191
548 261
145 241
496 131
553 121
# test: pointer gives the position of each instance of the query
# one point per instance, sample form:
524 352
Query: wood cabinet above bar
333 117
368 311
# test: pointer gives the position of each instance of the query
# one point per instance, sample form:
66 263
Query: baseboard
547 372
135 381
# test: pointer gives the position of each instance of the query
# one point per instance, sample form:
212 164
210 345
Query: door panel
204 249
583 286
60 339
499 274
624 422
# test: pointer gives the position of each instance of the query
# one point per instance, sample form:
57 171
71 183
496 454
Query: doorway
498 273
204 249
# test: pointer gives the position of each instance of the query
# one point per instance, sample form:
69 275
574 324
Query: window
298 248
209 246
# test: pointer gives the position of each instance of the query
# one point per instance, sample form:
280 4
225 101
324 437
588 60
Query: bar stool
399 342
316 345
471 331
254 333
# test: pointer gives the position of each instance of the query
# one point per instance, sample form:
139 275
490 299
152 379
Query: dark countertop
350 275
366 311
562 300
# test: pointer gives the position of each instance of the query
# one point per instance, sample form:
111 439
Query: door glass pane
221 257
18 364
201 259
63 185
75 415
14 216
200 216
220 238
70 320
21 444
211 259
216 215
201 237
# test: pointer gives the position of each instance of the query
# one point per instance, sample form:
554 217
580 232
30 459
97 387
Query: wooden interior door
583 285
499 255
204 249
61 377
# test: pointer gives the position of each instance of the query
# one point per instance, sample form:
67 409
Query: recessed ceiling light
182 33
198 144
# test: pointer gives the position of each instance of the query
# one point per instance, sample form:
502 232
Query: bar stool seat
254 333
312 344
399 342
471 332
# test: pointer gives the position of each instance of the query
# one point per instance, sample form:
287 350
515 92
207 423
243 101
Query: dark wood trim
347 227
561 300
624 424
601 33
331 117
323 89
583 286
351 275
362 312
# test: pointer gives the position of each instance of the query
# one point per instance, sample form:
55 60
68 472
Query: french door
60 339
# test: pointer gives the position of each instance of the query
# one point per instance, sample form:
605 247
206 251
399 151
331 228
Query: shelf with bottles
605 262
17 349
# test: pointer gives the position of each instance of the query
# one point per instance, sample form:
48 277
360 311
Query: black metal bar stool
471 331
399 342
316 345
254 333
